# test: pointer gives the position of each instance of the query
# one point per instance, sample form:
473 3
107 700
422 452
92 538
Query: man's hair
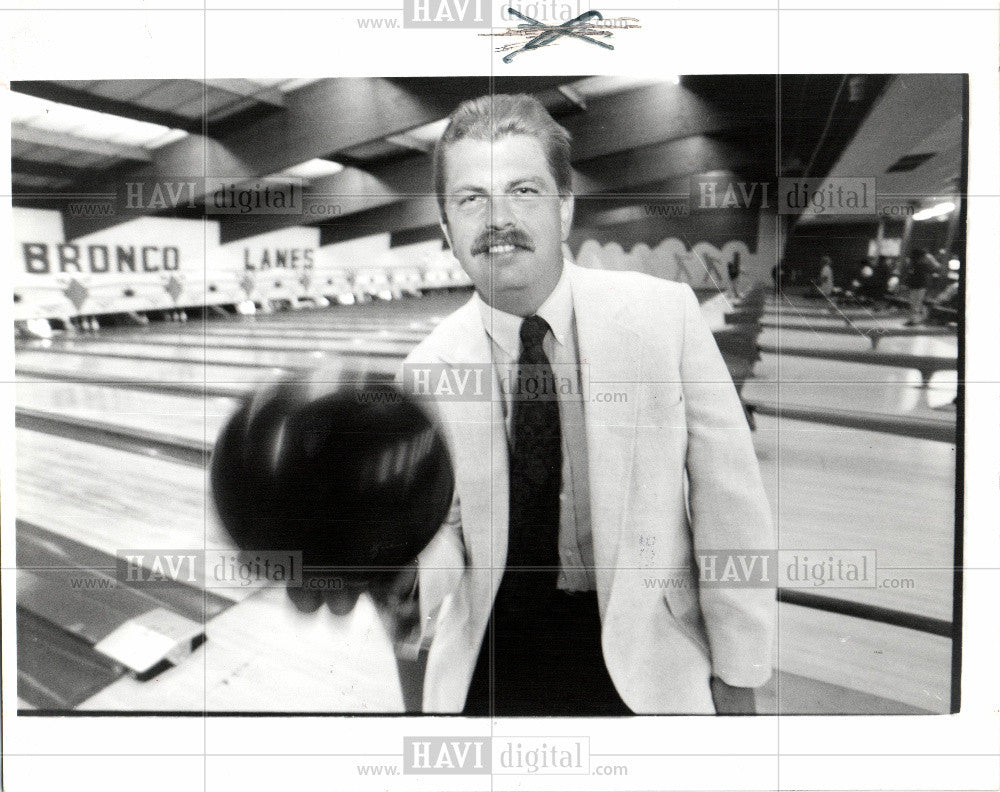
493 116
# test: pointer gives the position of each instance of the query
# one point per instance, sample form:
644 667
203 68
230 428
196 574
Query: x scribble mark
552 34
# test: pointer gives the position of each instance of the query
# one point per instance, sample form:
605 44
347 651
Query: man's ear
566 214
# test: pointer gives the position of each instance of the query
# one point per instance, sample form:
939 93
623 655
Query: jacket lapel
480 434
609 349
609 352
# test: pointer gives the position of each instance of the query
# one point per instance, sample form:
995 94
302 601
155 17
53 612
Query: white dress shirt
560 345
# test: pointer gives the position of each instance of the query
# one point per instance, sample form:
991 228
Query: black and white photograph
505 397
581 397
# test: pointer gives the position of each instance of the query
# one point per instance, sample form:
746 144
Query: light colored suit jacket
662 636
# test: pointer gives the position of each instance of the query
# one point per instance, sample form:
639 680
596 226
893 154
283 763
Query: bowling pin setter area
169 474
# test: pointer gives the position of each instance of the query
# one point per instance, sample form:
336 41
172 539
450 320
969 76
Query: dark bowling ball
358 479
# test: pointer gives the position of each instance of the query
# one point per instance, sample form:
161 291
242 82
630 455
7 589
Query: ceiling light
71 120
938 210
421 138
311 169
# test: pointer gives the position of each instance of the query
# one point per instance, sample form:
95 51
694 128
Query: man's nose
501 212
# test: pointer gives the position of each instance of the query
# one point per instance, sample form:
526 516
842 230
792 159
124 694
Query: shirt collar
557 311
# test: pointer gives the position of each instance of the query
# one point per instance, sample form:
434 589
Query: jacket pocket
662 406
660 395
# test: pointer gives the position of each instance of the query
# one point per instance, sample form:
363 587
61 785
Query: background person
920 273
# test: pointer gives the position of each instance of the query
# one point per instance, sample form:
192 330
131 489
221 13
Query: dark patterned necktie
516 651
535 460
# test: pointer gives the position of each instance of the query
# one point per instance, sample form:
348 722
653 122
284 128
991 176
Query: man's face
505 220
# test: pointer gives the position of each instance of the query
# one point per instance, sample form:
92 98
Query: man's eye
526 191
468 200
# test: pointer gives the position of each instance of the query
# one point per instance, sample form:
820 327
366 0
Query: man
565 581
922 270
824 283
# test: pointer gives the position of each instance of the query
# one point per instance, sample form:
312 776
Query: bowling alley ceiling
375 136
913 140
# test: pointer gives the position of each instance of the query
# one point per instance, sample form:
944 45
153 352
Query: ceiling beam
248 89
318 120
78 97
415 213
60 140
658 113
251 104
408 185
51 170
613 126
346 193
621 179
671 160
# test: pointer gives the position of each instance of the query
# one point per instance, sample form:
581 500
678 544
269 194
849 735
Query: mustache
513 236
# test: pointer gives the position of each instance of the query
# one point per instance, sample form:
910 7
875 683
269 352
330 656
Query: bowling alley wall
163 263
158 263
696 248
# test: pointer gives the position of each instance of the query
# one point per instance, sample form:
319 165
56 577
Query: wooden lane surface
210 330
842 385
246 670
816 338
421 309
249 356
784 310
263 655
811 473
358 346
875 390
816 455
833 488
838 323
113 500
86 483
188 369
180 416
829 487
892 662
148 370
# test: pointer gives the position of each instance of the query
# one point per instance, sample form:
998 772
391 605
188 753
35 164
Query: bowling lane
841 385
342 336
113 500
136 369
428 308
890 662
942 346
903 510
179 416
863 389
326 663
814 338
360 345
190 371
249 356
263 655
216 330
832 488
